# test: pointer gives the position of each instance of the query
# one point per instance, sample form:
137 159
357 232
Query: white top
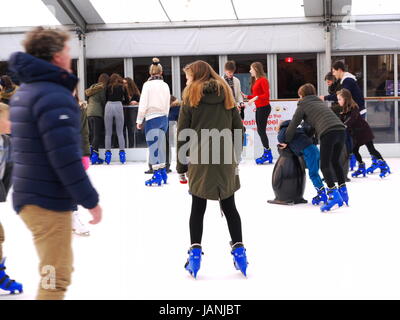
154 100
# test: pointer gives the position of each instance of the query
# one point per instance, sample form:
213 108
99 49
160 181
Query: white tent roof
96 12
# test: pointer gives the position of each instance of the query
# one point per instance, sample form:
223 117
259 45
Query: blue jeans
155 130
311 158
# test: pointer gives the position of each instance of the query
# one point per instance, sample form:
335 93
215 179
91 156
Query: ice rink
295 252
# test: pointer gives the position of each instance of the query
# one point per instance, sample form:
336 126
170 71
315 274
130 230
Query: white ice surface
295 252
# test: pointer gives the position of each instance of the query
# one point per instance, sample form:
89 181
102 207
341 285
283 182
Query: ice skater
6 165
361 133
331 133
260 96
208 105
154 107
302 145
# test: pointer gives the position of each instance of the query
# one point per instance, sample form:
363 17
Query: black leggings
130 115
228 207
96 126
371 149
331 146
262 114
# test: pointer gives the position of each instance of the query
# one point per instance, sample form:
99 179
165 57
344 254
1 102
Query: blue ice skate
155 179
194 261
374 166
108 157
122 156
353 162
164 175
267 156
360 171
320 197
344 194
334 197
6 283
239 257
385 170
94 158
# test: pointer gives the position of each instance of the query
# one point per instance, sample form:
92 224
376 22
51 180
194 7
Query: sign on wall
280 111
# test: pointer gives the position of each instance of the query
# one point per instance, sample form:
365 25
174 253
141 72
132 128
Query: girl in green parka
208 105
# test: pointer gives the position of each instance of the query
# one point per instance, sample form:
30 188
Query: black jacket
300 141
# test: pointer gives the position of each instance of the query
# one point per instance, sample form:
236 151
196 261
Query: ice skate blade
81 234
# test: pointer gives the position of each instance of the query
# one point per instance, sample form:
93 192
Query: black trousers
331 145
130 115
371 149
96 129
262 114
228 207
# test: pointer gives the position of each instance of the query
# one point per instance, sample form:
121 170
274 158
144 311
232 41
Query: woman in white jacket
154 108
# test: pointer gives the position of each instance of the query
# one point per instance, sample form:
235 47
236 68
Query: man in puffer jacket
49 178
347 81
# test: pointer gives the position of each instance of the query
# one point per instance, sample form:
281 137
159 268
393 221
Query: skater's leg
326 150
262 114
2 238
233 218
311 158
199 206
119 124
96 123
356 152
371 148
52 235
108 124
336 163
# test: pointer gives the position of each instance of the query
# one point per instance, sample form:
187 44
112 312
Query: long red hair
202 72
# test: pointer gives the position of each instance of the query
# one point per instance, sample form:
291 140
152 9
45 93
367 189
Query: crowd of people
54 134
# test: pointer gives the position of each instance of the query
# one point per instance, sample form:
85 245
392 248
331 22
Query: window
141 70
212 60
354 65
243 62
95 67
380 117
294 70
74 66
380 75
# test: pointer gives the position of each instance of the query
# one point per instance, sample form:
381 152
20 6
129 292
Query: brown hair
115 80
329 76
203 72
132 88
44 43
349 102
260 73
103 78
230 66
7 82
4 108
307 89
155 67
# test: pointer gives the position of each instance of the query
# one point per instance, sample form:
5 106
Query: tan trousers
1 242
52 235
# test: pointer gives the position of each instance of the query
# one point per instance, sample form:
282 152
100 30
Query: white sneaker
78 227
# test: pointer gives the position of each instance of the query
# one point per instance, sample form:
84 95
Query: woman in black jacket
361 133
130 111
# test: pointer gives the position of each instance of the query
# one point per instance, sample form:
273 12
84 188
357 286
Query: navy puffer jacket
48 170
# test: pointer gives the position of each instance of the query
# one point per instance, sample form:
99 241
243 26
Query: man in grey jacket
234 84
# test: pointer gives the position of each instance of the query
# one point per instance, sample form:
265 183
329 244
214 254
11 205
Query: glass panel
141 70
380 75
74 66
21 13
189 10
212 60
294 70
380 116
373 7
354 65
258 9
124 11
95 67
243 62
